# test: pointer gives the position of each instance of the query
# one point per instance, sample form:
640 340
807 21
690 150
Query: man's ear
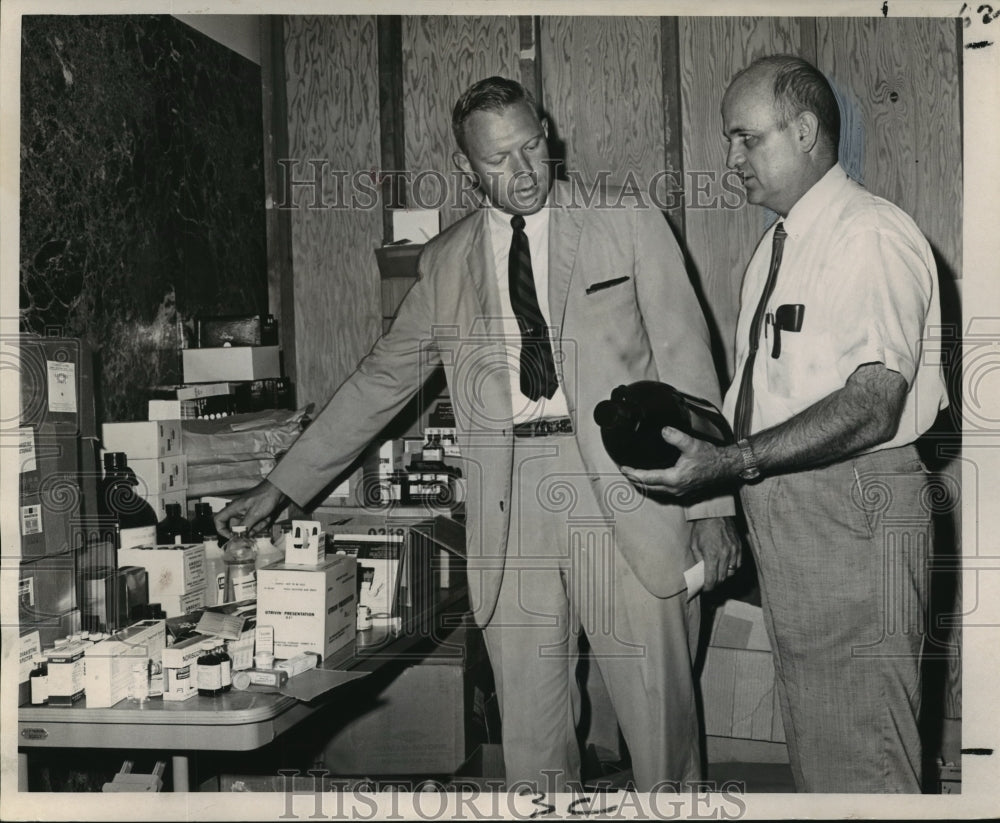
807 130
460 160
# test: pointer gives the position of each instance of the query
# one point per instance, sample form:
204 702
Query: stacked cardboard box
177 575
156 454
57 479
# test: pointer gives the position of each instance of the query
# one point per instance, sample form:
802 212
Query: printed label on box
62 386
31 519
31 645
26 449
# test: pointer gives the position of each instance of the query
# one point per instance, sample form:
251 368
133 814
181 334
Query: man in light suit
538 306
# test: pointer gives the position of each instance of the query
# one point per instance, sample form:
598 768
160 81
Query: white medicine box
309 609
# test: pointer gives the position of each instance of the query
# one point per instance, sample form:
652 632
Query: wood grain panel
603 93
899 85
721 229
442 56
333 106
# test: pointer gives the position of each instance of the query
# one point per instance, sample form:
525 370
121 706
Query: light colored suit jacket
647 327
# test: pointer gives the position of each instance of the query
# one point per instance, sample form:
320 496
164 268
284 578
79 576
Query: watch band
751 471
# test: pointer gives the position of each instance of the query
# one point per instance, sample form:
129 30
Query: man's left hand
716 541
700 465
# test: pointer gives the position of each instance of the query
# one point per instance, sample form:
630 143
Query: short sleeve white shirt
866 279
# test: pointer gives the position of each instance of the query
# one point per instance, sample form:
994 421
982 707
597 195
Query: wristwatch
750 469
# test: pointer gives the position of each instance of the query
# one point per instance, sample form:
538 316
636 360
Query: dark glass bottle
119 499
209 671
203 524
632 421
174 528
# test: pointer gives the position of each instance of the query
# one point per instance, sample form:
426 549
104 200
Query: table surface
236 720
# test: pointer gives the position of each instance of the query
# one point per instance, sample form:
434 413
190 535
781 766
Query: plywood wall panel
333 110
721 230
603 91
442 56
899 85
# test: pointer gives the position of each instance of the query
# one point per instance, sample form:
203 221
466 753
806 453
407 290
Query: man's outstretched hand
251 508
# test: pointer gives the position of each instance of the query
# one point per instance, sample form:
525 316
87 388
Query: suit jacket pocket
607 284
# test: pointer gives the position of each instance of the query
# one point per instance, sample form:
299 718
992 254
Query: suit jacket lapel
480 269
565 225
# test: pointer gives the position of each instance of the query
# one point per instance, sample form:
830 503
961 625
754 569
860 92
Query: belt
543 427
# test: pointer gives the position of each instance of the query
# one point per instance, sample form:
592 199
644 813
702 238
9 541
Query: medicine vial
39 678
209 671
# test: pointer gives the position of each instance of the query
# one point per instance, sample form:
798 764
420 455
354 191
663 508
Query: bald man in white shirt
830 392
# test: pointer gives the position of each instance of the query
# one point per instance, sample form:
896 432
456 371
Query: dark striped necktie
744 400
537 366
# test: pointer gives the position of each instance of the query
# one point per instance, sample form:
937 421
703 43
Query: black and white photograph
499 410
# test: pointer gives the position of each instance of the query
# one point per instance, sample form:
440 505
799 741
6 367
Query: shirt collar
815 201
532 222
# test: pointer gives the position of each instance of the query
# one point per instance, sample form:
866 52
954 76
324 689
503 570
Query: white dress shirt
868 283
536 227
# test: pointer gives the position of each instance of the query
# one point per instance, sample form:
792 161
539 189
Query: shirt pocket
806 368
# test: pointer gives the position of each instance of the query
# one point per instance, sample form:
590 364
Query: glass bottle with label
39 678
241 568
119 498
203 531
209 671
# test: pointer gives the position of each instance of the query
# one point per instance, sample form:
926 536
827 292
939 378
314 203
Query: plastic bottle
39 679
174 527
241 570
209 671
119 498
632 421
203 531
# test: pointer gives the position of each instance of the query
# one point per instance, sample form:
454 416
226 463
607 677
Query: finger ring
730 567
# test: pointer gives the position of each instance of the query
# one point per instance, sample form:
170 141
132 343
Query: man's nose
522 166
734 156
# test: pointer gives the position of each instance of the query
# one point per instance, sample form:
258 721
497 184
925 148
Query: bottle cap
114 460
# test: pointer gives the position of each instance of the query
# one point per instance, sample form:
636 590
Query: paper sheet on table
311 684
695 578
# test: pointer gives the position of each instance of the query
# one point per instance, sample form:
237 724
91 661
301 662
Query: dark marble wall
142 191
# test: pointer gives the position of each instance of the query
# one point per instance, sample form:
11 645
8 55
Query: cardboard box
176 605
231 363
310 609
143 438
46 588
66 673
109 663
737 681
48 520
160 475
418 724
173 569
53 388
